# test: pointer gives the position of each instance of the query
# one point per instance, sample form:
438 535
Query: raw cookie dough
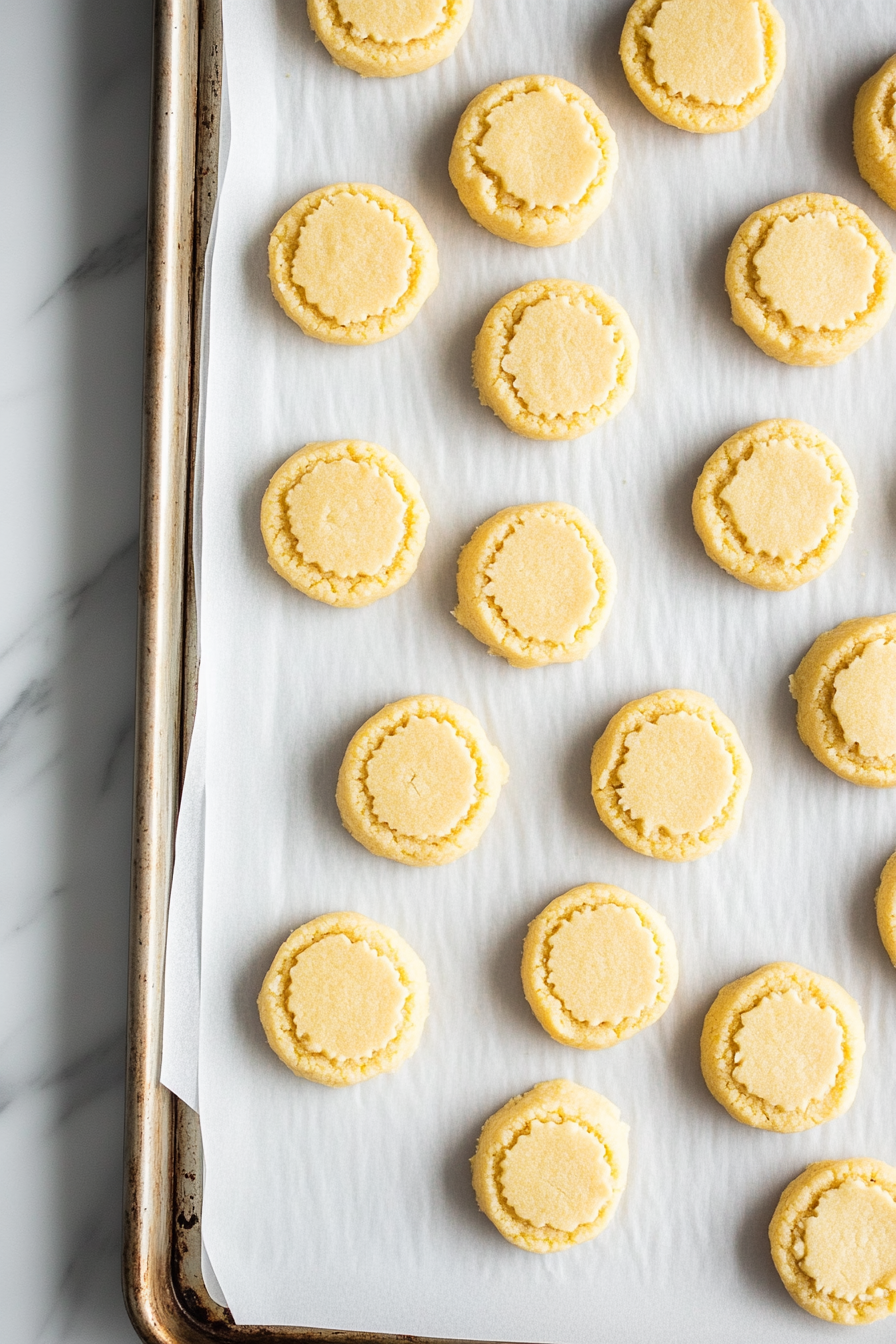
874 132
845 689
345 999
598 965
810 279
389 37
703 65
419 782
833 1240
352 264
535 584
555 359
885 902
344 522
550 1166
774 505
782 1048
533 160
669 775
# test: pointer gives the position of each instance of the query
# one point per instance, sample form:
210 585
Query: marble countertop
74 135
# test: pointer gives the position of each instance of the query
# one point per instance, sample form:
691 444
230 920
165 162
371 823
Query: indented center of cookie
346 517
850 1240
865 699
542 148
543 580
710 50
562 358
422 779
353 258
817 272
392 20
603 965
782 499
557 1175
788 1050
676 774
346 999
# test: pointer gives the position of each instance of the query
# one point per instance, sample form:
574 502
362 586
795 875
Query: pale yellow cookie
782 1048
885 903
598 965
810 279
703 65
845 690
344 1000
874 132
774 505
535 584
344 522
669 775
550 1166
833 1240
352 264
555 359
419 782
389 37
533 160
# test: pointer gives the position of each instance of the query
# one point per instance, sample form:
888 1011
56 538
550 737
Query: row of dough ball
699 65
346 999
810 279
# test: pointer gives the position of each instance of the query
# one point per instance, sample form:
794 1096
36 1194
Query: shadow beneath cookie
608 70
708 285
431 156
575 776
296 37
864 932
458 1189
836 122
455 374
504 975
677 514
752 1245
247 986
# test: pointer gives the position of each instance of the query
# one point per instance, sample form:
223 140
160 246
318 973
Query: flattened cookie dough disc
419 782
885 902
598 965
845 689
774 505
535 584
352 264
533 160
782 1048
810 279
345 999
389 37
555 358
874 132
344 522
833 1240
669 775
550 1166
703 65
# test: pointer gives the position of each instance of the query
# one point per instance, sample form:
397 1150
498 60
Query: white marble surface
73 134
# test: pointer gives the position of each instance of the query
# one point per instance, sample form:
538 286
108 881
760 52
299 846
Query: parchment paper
353 1208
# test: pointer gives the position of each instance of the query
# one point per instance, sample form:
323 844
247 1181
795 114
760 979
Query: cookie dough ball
774 505
419 782
344 1000
885 902
535 584
389 37
703 65
352 264
833 1240
533 160
874 132
810 279
845 690
344 522
598 965
555 359
782 1048
550 1166
669 775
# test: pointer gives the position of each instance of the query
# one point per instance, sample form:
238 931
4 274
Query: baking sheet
353 1209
